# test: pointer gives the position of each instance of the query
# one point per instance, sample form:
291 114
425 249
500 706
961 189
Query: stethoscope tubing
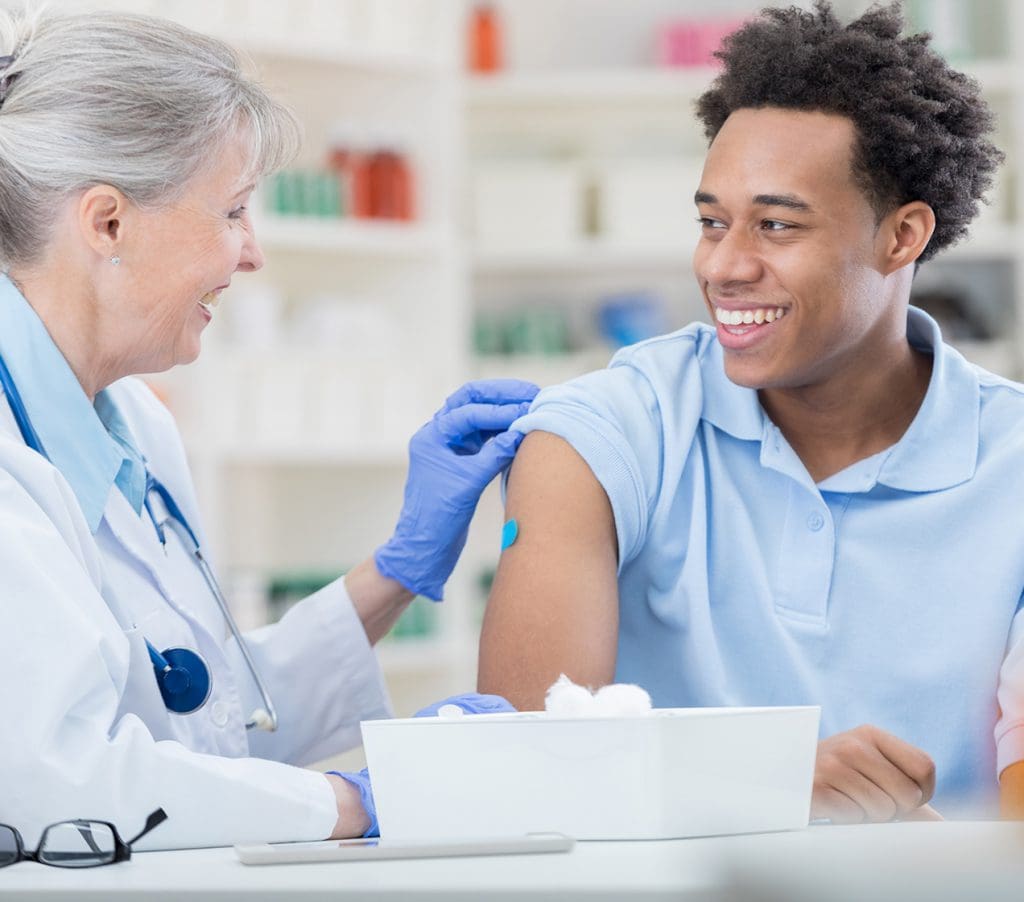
173 663
262 718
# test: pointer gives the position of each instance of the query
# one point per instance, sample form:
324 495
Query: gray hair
132 101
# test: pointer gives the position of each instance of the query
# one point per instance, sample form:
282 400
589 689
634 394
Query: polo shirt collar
73 432
938 451
728 406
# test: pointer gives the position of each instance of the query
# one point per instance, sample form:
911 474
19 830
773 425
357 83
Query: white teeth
759 315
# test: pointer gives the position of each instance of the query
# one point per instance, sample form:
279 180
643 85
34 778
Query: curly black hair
921 126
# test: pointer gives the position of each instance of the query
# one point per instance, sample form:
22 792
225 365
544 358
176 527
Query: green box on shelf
286 589
324 194
530 330
284 195
305 192
418 621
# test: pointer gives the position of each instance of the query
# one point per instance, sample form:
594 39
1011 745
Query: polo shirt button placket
815 522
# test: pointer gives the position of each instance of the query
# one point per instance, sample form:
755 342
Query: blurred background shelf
592 87
386 63
413 656
586 257
325 235
306 454
989 242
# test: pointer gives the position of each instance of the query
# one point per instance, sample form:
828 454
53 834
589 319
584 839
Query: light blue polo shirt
885 593
89 443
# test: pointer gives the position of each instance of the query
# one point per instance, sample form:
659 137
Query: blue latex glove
471 703
452 459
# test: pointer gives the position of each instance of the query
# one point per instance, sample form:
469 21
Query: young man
817 501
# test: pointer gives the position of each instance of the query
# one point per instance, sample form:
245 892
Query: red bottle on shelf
485 39
352 166
392 187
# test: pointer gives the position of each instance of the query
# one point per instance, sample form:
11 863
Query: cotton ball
450 712
621 699
566 699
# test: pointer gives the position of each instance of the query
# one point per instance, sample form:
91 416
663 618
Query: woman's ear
904 234
102 212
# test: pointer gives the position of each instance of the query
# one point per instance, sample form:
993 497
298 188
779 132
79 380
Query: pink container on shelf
692 42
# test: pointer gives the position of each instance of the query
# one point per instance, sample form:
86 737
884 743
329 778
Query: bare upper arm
554 604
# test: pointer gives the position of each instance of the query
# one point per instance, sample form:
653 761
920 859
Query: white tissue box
673 773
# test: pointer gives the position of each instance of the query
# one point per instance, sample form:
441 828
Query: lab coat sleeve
322 675
1009 732
64 660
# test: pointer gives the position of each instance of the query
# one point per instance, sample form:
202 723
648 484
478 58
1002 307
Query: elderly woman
129 148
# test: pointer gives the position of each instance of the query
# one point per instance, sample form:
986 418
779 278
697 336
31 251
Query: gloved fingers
460 424
492 391
499 452
471 703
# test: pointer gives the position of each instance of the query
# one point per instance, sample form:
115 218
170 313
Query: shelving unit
597 87
367 239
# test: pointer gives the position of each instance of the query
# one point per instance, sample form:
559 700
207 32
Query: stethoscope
181 674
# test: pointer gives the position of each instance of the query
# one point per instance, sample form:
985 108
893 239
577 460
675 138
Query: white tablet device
378 850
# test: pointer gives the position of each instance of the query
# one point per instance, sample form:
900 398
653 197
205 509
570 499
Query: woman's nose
251 258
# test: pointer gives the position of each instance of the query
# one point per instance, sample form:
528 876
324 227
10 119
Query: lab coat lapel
176 578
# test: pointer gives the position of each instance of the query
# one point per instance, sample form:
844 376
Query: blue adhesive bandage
509 534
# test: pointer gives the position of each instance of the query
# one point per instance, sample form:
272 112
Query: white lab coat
85 731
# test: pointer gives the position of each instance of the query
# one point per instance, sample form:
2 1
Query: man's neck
859 411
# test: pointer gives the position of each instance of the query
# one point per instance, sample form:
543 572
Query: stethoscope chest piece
185 682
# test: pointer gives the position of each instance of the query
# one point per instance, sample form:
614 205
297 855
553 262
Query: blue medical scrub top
884 594
89 443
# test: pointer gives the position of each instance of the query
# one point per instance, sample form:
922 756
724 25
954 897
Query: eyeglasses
75 844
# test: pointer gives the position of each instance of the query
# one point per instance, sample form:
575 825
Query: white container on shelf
528 205
647 203
254 315
339 397
281 401
676 772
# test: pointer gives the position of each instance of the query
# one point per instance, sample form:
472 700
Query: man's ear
904 234
102 210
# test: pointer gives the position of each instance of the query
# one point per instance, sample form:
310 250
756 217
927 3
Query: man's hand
866 774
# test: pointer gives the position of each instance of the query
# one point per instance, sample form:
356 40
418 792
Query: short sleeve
612 419
1009 733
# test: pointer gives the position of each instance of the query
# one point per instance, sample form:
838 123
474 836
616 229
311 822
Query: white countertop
954 860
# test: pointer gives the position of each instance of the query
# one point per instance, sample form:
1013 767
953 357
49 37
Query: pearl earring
115 260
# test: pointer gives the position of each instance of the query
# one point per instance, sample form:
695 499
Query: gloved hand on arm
452 459
471 703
